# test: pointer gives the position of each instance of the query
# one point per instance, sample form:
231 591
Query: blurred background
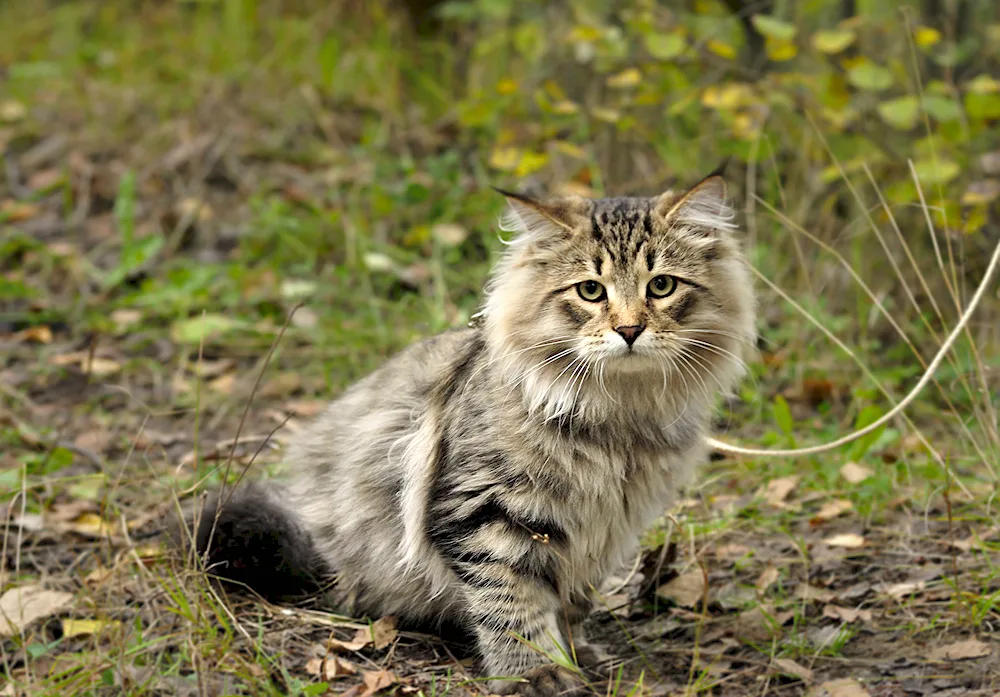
178 176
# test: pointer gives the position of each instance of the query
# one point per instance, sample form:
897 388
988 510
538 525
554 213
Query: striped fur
493 476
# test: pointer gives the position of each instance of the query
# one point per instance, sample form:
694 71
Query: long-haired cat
492 476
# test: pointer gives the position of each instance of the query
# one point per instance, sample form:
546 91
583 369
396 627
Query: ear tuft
531 219
703 207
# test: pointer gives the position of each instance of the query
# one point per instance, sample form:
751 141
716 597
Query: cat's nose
631 332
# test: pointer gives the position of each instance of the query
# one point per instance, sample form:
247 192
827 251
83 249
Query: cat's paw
595 661
552 681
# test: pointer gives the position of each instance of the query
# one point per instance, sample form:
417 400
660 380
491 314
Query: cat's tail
251 539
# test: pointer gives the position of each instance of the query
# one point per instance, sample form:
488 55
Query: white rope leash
917 389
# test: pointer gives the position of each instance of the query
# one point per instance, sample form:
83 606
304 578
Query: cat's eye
591 291
661 286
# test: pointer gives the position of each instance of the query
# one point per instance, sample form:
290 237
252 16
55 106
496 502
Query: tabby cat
492 476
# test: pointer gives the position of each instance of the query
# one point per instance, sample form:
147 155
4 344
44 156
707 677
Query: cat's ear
703 208
540 220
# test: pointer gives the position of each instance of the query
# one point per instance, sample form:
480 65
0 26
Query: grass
180 176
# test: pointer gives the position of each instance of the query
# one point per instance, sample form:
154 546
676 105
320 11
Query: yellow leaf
983 84
505 159
605 114
85 627
91 525
584 33
12 110
780 51
565 106
570 149
832 41
530 162
727 97
721 49
926 37
626 78
507 86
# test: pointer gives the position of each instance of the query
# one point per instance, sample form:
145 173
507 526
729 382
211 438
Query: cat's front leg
519 635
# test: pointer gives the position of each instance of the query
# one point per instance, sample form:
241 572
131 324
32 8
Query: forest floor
149 258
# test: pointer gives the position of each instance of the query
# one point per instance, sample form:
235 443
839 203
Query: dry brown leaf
847 540
855 473
731 551
779 489
97 366
98 441
846 614
845 687
125 318
963 650
38 335
19 607
18 211
831 510
809 592
223 384
685 590
376 680
901 590
306 407
362 637
330 667
384 631
787 666
757 625
767 578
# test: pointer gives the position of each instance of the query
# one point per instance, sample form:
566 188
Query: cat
492 476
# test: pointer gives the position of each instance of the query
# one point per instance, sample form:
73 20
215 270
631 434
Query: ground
202 242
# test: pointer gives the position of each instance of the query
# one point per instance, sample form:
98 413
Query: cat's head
594 294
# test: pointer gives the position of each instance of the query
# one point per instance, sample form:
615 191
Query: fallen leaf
855 473
376 680
90 525
305 318
73 628
848 540
39 335
831 510
787 666
845 687
223 384
194 208
384 631
18 211
19 607
361 639
685 590
809 592
92 365
970 648
767 578
306 407
779 489
32 522
96 440
449 234
846 614
330 667
901 590
125 318
732 551
760 624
